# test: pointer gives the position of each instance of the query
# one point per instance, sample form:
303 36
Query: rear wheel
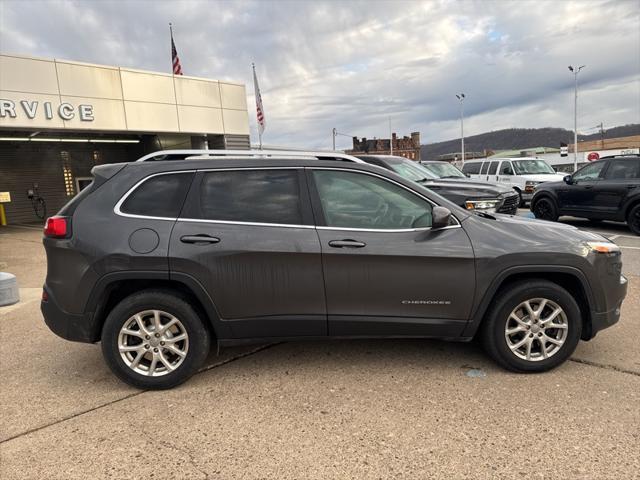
633 219
154 340
545 209
533 326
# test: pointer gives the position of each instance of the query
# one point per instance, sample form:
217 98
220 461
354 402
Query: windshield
532 167
412 170
443 170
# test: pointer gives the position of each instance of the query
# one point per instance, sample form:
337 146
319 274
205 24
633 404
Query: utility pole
460 98
575 71
334 133
601 135
390 138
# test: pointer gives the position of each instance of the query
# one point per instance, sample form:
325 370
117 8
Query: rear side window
258 196
484 168
493 167
471 168
623 170
159 196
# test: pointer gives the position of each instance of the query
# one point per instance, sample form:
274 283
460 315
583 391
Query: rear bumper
70 326
602 320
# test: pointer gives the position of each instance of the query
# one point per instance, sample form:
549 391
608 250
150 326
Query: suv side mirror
441 217
568 179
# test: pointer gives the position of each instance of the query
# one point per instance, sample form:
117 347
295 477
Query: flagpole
255 89
171 35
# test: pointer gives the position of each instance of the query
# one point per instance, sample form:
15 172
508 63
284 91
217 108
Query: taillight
57 227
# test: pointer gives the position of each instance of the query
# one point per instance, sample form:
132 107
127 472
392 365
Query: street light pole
334 132
575 71
460 98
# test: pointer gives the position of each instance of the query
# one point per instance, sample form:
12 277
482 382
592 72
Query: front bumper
70 326
602 320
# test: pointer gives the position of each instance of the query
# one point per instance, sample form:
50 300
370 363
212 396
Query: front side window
589 173
356 200
257 196
505 169
159 196
623 170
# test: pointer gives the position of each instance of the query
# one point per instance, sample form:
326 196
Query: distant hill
513 138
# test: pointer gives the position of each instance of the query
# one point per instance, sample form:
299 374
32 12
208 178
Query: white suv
520 173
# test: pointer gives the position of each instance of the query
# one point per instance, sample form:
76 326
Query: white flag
259 110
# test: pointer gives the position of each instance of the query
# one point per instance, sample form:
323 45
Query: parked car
521 174
160 259
607 189
451 184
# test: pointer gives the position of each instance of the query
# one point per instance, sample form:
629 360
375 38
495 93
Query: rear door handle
199 239
346 244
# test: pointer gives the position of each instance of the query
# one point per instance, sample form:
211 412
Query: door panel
266 281
621 178
581 196
247 237
398 283
386 272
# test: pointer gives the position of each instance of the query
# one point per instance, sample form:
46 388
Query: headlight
530 186
602 247
488 206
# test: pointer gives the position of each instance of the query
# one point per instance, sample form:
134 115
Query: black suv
452 184
160 259
607 189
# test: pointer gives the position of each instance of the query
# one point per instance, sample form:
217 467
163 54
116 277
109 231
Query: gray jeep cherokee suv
159 259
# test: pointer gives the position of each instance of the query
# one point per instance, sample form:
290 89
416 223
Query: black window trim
117 208
321 223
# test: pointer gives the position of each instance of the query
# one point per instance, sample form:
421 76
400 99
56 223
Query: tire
521 202
496 340
183 345
545 209
633 219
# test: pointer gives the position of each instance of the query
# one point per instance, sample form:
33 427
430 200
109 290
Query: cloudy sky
353 65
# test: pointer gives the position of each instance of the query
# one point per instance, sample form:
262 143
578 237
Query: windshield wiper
423 180
452 176
485 215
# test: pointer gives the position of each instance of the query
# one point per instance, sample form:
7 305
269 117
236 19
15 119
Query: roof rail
211 154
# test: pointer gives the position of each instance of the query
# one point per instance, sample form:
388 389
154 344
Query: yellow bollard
3 216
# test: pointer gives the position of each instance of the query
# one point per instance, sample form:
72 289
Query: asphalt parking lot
341 409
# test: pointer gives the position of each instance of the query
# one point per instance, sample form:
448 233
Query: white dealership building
60 118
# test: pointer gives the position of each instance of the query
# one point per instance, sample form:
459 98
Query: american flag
177 68
259 110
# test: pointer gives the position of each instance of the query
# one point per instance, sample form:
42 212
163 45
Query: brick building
408 147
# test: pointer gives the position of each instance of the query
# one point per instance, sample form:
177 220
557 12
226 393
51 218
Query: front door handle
346 244
199 239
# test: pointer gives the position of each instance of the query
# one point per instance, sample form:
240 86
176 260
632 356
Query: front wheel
533 326
154 340
633 219
545 209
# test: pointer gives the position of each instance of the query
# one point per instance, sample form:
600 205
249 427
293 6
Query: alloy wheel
543 210
153 343
536 329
